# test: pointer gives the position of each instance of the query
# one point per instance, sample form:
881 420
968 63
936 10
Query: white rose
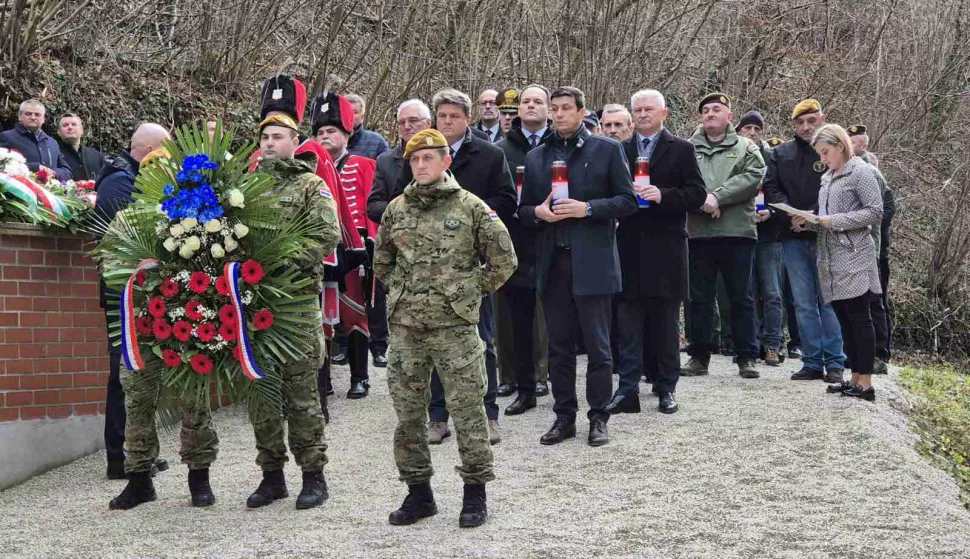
240 230
170 244
236 198
213 226
193 242
189 223
217 251
231 244
176 230
186 251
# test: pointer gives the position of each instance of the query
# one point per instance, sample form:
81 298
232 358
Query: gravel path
757 468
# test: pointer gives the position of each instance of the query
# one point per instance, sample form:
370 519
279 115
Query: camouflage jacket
298 187
439 250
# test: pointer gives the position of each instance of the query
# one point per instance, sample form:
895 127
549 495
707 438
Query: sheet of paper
809 216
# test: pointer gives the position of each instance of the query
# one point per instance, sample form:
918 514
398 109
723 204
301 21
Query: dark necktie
645 142
533 141
453 152
489 133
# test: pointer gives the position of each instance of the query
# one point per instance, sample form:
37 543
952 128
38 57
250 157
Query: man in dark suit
651 240
577 265
480 168
489 121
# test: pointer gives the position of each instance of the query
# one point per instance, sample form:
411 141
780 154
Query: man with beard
332 126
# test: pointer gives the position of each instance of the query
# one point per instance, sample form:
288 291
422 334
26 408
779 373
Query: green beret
425 139
714 98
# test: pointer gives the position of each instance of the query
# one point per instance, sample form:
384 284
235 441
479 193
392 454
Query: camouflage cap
857 130
425 139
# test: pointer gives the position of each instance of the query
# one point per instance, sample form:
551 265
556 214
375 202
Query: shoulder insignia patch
325 192
492 215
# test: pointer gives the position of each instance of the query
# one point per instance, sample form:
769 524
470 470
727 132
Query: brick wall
53 344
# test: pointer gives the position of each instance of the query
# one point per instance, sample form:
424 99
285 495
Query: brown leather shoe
437 432
494 437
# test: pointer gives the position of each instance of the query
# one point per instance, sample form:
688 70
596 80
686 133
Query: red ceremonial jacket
356 179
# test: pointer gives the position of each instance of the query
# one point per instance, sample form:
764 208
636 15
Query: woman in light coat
849 205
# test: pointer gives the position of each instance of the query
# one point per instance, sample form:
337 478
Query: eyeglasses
411 121
487 103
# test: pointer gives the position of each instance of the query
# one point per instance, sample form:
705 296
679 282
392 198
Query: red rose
43 175
169 288
201 364
263 319
222 285
140 277
143 325
171 358
161 329
227 314
228 332
84 185
156 307
199 281
192 310
182 331
205 332
252 272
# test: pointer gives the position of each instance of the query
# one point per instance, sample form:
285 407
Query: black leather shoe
542 388
747 369
856 391
359 389
561 430
314 491
597 433
624 404
199 488
520 405
473 509
417 505
808 374
139 490
339 358
272 487
505 389
380 360
667 403
838 388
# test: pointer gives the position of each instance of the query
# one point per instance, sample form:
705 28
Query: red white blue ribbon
246 357
129 335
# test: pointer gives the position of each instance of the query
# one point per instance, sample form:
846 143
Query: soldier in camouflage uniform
298 187
430 252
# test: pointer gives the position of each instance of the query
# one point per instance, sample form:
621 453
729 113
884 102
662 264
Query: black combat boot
140 489
314 491
199 488
473 510
417 505
271 488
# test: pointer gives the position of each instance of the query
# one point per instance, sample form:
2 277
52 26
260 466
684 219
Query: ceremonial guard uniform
439 250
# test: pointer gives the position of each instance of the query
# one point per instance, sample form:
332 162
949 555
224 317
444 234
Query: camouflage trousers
457 353
199 442
303 416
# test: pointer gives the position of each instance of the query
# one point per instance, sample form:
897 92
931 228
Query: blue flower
169 190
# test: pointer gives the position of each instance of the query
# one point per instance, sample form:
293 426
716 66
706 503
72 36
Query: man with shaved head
115 186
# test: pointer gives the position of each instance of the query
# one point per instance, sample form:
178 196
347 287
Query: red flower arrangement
192 310
199 281
263 319
169 288
228 332
156 307
206 332
201 364
222 285
84 185
171 358
161 329
143 325
252 272
44 175
182 331
227 314
140 278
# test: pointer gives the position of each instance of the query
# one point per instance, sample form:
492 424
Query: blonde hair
835 136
